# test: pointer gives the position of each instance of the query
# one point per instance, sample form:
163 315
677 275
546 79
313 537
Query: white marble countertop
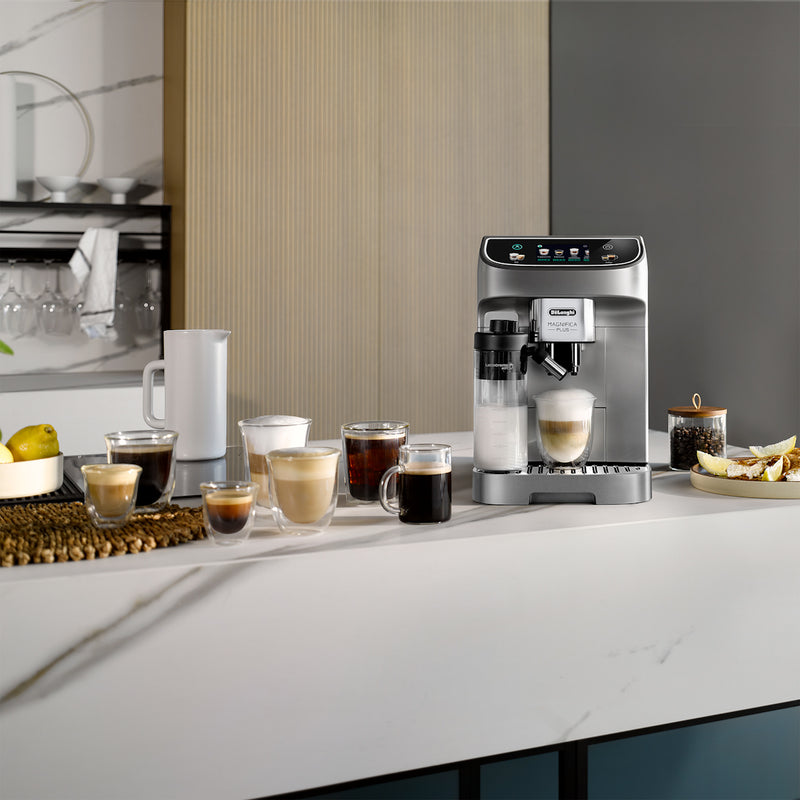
377 647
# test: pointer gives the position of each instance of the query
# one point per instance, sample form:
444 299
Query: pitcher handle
147 394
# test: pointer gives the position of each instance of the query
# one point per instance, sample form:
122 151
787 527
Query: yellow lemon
773 472
713 464
777 449
32 442
5 455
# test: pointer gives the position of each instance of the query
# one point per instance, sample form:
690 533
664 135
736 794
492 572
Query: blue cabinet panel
522 778
435 786
755 757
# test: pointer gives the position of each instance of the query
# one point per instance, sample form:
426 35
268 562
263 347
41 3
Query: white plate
772 490
29 478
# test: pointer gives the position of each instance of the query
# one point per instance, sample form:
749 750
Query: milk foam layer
426 469
565 404
304 463
275 431
111 474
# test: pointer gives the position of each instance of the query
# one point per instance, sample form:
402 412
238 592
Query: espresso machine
560 312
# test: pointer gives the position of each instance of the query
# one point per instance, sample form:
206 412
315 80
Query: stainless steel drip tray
601 484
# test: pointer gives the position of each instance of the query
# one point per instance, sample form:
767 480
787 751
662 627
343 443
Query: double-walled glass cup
370 448
564 425
262 434
154 452
109 492
424 484
229 510
303 483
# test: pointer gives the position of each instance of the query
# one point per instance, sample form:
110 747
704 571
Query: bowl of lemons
31 463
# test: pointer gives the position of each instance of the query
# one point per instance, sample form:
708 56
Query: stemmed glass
18 311
56 312
148 310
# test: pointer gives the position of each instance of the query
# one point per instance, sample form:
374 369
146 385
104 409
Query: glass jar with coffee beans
695 427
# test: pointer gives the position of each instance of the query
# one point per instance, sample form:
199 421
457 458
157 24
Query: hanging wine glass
29 316
56 312
17 311
148 310
10 305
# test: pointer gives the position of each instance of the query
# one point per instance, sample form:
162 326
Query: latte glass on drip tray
564 425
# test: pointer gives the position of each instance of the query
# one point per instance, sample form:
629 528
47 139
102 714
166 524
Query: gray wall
680 121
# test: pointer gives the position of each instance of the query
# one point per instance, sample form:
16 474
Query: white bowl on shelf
28 478
118 187
58 185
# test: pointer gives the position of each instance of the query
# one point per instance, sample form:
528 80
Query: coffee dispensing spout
540 353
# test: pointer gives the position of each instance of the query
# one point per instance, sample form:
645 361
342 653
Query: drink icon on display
544 251
559 253
573 251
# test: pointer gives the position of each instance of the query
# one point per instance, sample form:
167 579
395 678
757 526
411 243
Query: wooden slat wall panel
343 160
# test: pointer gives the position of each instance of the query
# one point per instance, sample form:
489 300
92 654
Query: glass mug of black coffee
370 448
229 510
424 484
154 452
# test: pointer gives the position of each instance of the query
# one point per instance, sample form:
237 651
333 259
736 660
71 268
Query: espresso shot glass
303 488
424 484
370 448
109 492
154 452
229 510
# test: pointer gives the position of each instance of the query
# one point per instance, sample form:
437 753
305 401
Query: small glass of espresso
370 448
109 492
229 510
154 452
424 484
303 484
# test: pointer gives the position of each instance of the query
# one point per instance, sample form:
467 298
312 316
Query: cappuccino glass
229 510
564 425
370 448
303 483
154 452
424 484
109 492
262 434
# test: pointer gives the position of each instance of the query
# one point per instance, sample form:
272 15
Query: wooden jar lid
697 409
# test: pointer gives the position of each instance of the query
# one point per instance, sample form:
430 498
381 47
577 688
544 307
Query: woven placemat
38 533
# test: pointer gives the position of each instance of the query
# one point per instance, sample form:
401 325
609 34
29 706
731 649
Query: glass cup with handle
424 484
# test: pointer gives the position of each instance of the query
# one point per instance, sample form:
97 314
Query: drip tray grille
589 469
67 493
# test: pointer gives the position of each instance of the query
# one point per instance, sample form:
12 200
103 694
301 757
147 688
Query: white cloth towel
94 263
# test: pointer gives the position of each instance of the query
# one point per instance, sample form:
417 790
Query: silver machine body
582 303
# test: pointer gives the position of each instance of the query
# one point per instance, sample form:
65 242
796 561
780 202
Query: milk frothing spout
561 317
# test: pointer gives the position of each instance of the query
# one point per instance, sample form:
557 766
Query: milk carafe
195 367
501 404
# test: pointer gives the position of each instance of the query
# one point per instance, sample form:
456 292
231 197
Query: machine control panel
544 251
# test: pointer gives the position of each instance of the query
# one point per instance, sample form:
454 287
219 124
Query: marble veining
92 649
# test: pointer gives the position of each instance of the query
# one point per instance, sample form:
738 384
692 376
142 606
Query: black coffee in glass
425 493
156 463
368 457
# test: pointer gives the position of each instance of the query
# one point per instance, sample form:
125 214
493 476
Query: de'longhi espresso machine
561 312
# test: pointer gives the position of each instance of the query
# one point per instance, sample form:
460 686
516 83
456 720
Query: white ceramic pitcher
195 367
